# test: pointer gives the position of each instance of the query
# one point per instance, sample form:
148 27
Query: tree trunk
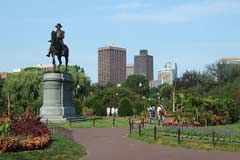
9 104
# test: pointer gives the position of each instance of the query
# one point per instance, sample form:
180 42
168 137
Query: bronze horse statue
56 49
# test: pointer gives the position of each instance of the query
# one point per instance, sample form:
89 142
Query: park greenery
210 97
21 132
192 138
60 148
23 89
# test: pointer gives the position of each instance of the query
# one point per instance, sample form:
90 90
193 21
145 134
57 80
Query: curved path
113 144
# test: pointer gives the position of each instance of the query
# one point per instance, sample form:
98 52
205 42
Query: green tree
125 107
138 107
109 97
166 91
133 82
223 72
99 109
82 83
78 106
24 88
1 97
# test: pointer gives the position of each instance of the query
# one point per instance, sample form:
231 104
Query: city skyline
190 33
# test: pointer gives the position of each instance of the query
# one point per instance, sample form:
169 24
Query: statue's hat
58 25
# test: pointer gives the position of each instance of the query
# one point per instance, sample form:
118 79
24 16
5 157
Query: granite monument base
57 98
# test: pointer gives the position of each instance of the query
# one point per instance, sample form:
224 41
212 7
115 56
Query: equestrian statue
58 48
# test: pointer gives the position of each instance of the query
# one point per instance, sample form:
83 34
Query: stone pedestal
57 98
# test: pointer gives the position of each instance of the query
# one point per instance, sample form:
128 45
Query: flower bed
26 132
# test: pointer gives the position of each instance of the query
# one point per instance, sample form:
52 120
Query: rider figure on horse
60 36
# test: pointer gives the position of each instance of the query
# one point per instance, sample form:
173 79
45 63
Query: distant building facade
155 83
45 67
111 65
129 70
143 64
230 61
168 74
15 70
3 75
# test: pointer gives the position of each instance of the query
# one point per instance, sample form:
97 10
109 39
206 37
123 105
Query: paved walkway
113 144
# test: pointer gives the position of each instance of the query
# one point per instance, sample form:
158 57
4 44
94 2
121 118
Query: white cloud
182 12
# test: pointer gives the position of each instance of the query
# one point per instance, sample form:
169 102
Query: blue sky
192 33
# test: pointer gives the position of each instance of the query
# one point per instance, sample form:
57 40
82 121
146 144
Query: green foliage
223 72
1 97
99 110
125 107
5 128
200 138
133 81
87 111
195 82
107 97
224 108
60 148
82 83
166 91
24 88
78 106
138 107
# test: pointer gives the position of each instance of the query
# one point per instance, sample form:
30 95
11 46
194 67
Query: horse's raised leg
66 63
53 62
60 62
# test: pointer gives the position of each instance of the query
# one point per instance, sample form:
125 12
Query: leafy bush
125 107
34 142
166 91
4 128
28 124
78 106
8 144
87 111
138 108
99 110
29 133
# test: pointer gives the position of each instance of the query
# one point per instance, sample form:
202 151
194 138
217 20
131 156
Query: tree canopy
133 82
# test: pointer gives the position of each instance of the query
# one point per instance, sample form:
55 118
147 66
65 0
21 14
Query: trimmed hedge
125 107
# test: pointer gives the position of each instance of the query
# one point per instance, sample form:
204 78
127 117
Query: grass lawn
59 149
199 144
99 123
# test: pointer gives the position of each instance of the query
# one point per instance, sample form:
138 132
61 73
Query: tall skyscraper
168 74
111 65
143 64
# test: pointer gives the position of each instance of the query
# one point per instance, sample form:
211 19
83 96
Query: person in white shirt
108 112
113 111
150 111
158 111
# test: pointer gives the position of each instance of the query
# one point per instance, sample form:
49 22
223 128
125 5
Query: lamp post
174 107
116 99
158 97
140 86
117 94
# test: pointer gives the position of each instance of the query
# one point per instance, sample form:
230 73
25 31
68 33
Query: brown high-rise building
111 65
143 64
